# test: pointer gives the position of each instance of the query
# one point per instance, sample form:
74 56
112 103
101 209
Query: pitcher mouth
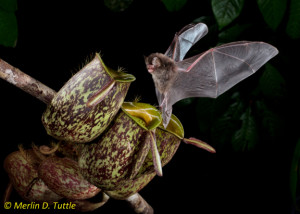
144 114
175 127
117 75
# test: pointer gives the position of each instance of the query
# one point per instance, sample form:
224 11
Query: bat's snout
150 68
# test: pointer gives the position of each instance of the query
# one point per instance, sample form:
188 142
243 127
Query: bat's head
156 62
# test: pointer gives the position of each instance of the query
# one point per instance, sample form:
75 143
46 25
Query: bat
208 74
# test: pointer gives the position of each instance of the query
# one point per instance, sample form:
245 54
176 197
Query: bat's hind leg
164 103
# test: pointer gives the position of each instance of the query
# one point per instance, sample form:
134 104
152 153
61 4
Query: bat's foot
164 102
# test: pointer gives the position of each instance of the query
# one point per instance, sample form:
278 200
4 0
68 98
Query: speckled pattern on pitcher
167 145
108 163
110 160
70 118
24 176
62 176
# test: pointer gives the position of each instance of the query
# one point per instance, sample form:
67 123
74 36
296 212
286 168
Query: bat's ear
145 58
156 61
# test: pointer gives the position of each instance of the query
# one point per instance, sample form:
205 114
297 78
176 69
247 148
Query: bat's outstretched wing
185 39
215 71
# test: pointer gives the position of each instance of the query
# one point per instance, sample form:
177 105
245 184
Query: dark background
56 37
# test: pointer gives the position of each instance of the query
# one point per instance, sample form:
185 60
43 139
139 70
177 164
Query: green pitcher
120 152
87 103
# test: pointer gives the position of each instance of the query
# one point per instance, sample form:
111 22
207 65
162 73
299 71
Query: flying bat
208 74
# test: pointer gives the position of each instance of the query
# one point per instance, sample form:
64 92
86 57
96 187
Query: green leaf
226 11
204 19
271 82
226 125
246 137
117 5
222 131
8 5
272 11
237 108
270 121
174 5
232 33
294 172
293 25
185 102
8 29
212 25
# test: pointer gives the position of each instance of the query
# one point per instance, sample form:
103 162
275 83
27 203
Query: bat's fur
164 71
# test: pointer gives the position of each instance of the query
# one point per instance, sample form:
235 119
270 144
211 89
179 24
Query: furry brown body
163 71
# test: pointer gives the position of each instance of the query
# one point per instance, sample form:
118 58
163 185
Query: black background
55 39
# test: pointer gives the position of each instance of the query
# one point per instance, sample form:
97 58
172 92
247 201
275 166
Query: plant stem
46 94
25 82
8 192
139 204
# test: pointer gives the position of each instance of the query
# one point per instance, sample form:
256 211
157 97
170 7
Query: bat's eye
156 61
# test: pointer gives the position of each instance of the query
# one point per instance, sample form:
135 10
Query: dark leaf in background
209 21
233 33
271 83
246 138
226 11
270 121
294 172
117 5
272 11
222 131
226 125
8 28
293 25
174 5
185 102
205 108
8 5
204 19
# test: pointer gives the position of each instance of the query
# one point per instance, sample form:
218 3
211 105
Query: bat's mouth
150 68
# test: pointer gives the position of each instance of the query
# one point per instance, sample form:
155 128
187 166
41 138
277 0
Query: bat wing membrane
215 71
160 97
185 39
